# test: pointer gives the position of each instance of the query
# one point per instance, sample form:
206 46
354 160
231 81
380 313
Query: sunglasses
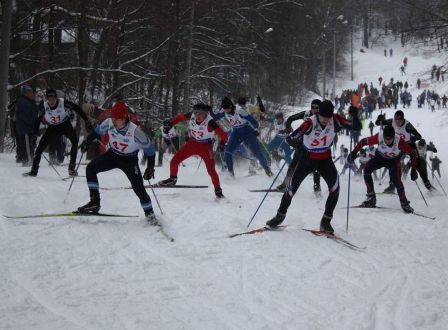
315 107
196 113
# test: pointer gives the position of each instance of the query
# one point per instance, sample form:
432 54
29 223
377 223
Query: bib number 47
119 146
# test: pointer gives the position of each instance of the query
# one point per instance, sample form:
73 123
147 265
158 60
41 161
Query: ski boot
390 189
268 172
406 207
170 182
93 206
232 173
276 221
429 186
33 172
218 192
151 218
325 224
370 202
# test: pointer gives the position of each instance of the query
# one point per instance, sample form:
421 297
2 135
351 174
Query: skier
317 133
390 145
244 129
422 149
304 115
201 128
54 112
435 166
406 131
170 139
279 140
125 140
371 126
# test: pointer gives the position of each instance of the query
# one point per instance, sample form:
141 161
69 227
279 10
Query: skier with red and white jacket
318 133
390 146
201 128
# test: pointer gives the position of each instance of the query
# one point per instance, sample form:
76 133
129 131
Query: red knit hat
119 110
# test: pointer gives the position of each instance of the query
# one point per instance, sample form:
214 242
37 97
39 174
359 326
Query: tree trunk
4 68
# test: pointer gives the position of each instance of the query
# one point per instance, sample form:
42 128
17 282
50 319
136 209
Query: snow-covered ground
119 273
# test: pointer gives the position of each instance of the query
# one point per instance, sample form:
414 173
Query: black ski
186 186
336 239
69 214
393 209
259 230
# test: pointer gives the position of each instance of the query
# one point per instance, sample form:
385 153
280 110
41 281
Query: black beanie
388 131
316 102
201 107
326 109
399 114
226 103
51 93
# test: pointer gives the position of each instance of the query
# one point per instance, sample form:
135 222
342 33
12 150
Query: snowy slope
102 273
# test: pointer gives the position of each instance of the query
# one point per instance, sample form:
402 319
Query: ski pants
203 150
53 131
304 167
247 136
292 166
25 147
394 167
279 142
128 164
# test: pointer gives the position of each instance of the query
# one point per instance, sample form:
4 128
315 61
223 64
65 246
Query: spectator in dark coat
26 124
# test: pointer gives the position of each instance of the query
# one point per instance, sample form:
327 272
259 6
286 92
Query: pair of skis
337 239
158 227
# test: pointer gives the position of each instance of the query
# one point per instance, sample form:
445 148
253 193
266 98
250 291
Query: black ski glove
84 145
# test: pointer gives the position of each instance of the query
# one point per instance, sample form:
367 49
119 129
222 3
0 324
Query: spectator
26 124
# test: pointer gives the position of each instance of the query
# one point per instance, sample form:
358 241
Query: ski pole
155 196
73 178
199 164
421 193
52 166
349 177
266 194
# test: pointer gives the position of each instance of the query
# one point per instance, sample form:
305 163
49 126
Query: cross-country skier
281 133
201 128
170 139
317 133
244 129
407 132
304 115
55 113
125 140
390 146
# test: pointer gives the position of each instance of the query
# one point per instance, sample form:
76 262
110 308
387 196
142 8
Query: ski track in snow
121 273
